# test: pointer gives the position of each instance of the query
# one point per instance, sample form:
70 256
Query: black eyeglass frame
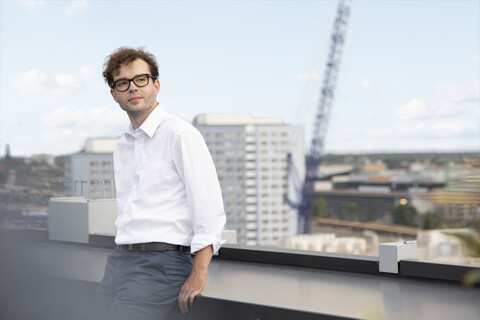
114 84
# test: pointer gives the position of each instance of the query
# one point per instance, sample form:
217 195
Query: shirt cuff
201 241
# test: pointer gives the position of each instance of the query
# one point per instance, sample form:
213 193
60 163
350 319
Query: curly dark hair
122 55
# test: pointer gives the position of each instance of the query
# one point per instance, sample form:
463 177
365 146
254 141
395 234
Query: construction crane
314 156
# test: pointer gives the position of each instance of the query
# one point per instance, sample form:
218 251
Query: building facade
89 173
250 155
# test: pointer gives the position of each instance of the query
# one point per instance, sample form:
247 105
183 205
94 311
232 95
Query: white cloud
88 71
33 80
308 77
458 93
76 6
418 109
422 130
415 109
96 121
66 83
364 84
452 128
31 4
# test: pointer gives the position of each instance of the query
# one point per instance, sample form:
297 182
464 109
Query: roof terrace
51 279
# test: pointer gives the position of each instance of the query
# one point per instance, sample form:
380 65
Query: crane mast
314 156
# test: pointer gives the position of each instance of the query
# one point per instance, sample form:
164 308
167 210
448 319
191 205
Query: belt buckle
130 247
163 246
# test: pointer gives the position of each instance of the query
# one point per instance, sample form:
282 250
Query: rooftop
57 279
240 119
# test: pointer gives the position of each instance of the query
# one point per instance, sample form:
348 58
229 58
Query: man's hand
197 279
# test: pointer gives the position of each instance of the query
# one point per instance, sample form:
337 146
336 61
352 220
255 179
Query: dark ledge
432 270
206 308
301 258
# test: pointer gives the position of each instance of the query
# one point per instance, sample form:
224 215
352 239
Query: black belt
154 246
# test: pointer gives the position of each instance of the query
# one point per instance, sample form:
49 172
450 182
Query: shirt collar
150 125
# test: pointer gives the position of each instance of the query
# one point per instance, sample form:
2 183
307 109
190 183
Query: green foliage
352 211
405 215
472 242
430 221
319 208
471 278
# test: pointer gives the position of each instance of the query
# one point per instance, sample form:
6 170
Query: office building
250 155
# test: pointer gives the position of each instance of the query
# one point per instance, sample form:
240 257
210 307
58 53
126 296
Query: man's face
136 100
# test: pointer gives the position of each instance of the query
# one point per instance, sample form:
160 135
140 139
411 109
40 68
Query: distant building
363 204
250 155
89 173
41 158
441 246
329 242
100 145
460 200
375 192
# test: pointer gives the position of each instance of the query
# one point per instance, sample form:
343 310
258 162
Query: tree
405 215
430 221
352 211
319 208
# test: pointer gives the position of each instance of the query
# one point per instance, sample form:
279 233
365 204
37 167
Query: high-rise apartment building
89 173
250 155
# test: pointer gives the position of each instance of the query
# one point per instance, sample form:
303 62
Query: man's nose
133 86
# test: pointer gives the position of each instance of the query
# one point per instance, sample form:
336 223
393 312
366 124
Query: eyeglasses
123 85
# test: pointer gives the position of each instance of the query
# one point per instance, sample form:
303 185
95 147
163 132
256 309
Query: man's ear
112 92
156 85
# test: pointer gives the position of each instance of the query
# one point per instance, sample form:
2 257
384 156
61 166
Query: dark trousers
142 285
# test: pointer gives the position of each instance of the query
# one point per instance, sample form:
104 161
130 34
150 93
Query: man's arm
197 279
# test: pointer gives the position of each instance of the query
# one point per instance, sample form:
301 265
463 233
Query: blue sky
409 78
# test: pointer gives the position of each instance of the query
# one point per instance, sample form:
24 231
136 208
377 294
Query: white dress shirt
167 186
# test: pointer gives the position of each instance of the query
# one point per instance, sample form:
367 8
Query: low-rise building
89 173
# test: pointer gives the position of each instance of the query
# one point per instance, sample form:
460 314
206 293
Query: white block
102 214
229 236
68 219
73 219
392 252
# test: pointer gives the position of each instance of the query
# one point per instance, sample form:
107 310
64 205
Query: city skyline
409 77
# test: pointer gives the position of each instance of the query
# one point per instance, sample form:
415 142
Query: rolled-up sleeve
197 170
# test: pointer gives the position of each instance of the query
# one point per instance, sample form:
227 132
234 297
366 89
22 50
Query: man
169 201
